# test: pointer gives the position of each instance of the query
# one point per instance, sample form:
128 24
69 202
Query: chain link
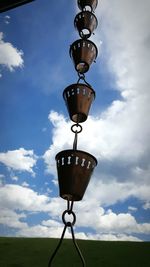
76 132
82 77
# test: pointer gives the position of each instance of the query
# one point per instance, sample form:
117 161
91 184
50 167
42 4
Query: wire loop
82 77
79 127
69 225
76 132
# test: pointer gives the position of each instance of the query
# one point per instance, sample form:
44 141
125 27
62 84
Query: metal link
69 206
70 225
76 134
75 142
76 125
70 213
82 77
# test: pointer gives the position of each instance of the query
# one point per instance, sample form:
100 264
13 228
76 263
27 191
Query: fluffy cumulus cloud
17 200
126 42
118 176
20 159
10 56
23 198
11 219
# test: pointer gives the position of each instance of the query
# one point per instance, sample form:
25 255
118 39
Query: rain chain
75 167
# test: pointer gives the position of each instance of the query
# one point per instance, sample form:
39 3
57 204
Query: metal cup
83 53
74 168
85 4
78 98
85 22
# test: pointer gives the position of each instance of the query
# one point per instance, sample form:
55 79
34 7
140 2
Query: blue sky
35 68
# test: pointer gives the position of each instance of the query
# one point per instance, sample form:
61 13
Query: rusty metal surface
78 98
85 22
74 168
84 4
83 53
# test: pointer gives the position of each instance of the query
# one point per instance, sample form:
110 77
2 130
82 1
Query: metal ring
76 125
70 213
81 75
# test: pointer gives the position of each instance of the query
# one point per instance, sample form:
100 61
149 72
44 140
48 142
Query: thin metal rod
72 202
75 141
58 246
70 205
77 247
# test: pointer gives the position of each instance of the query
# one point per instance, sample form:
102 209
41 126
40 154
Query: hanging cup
87 4
74 169
85 22
83 53
78 98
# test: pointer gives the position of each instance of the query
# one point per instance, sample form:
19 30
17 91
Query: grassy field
35 252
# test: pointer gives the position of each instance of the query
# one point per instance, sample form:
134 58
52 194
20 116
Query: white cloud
117 140
16 198
10 56
108 222
110 192
2 176
23 198
122 223
25 184
107 237
113 181
55 229
89 214
146 206
58 138
118 136
118 176
21 159
128 60
7 17
40 231
131 208
14 178
12 219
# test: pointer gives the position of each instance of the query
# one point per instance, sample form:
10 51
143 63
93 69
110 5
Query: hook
82 77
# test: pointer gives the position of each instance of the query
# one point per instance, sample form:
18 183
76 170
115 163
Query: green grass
35 252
